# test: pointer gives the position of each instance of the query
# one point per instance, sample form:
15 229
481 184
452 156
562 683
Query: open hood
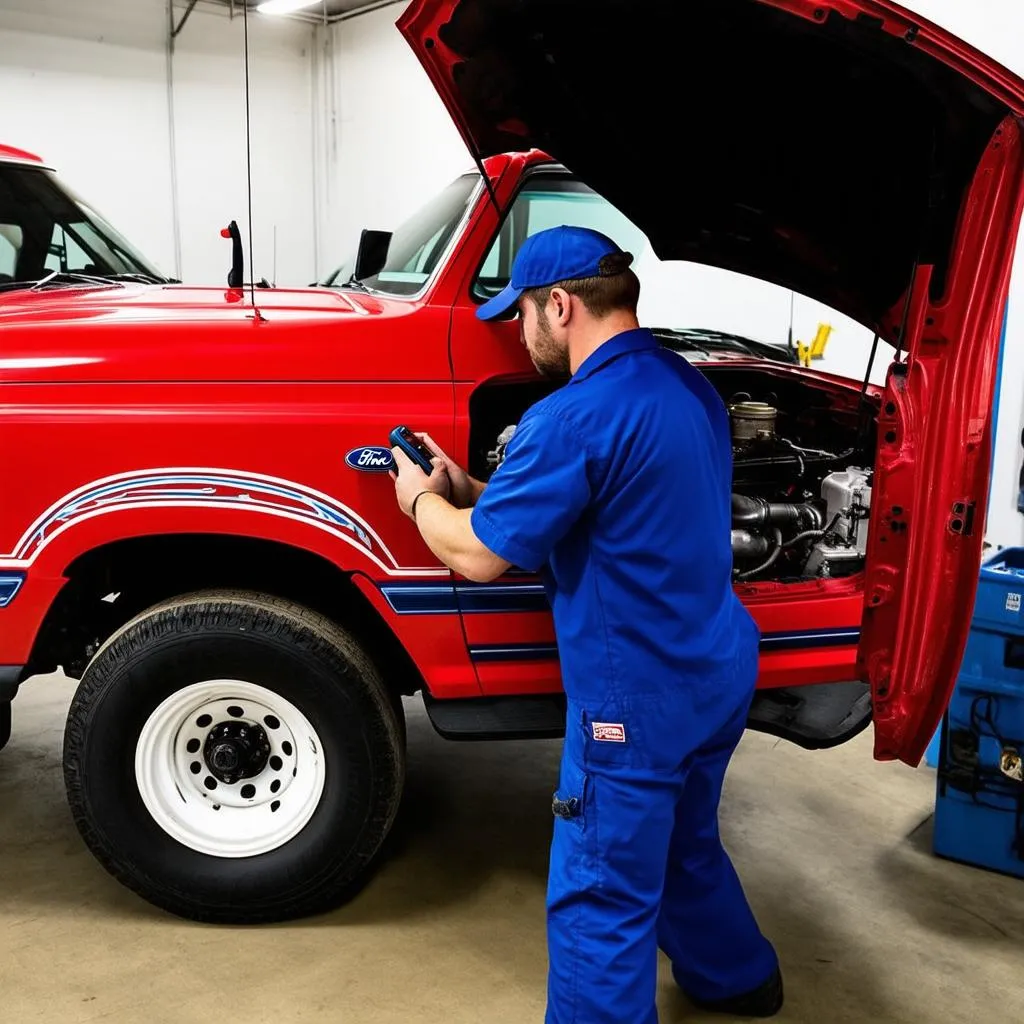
842 148
823 146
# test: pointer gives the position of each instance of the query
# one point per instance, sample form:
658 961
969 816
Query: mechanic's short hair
617 290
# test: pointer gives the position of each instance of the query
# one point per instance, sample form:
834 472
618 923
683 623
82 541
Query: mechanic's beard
551 359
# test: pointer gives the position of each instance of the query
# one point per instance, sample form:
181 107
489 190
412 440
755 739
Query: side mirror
373 253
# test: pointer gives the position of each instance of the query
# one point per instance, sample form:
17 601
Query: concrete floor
833 848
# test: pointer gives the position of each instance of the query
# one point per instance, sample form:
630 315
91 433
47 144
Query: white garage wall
385 139
209 107
70 84
388 146
85 86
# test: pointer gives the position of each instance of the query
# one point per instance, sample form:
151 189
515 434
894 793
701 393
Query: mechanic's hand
463 493
410 480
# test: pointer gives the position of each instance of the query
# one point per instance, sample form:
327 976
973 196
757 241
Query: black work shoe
763 1001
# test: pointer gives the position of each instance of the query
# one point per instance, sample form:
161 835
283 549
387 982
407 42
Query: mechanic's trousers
637 863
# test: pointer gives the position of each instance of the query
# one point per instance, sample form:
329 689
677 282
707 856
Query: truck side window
418 245
547 201
11 240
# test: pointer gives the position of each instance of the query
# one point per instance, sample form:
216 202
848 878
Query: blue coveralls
618 488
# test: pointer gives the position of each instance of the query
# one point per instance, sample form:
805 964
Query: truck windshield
418 245
48 233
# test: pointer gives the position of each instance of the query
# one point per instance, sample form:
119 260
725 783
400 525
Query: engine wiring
814 534
777 533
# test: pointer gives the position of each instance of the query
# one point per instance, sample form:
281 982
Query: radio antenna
248 153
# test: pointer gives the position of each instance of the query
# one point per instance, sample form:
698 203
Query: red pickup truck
197 519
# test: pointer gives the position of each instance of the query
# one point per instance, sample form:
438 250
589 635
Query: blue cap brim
499 306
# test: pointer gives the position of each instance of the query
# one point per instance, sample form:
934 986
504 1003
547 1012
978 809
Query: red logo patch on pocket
609 732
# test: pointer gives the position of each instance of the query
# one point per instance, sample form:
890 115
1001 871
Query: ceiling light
284 6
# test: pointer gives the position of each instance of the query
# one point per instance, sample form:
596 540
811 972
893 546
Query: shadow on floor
961 901
471 813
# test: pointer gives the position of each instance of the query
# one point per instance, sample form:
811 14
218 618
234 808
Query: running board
498 718
813 717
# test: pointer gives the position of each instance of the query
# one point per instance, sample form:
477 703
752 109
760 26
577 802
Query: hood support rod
479 161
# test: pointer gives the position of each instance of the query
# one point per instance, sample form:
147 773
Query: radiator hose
750 513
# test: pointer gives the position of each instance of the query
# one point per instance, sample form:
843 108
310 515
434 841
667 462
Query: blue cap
558 254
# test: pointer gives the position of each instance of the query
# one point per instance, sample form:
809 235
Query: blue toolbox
979 807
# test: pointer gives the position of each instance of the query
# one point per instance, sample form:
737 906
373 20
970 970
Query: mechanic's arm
531 502
447 530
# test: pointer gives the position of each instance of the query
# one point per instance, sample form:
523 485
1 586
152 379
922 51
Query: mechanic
617 487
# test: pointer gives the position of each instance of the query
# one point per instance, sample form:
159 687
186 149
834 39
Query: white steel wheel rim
246 818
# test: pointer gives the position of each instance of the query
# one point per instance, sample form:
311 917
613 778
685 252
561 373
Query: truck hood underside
694 119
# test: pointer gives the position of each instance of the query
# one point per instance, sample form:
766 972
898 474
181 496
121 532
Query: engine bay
802 466
801 511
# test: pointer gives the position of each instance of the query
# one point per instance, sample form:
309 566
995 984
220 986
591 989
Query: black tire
297 654
5 723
